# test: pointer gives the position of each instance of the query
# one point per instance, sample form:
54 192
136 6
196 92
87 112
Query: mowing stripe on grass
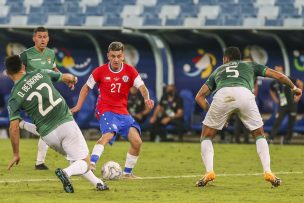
154 178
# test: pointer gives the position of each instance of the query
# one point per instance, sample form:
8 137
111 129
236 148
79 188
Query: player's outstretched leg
96 153
99 148
270 177
63 177
99 184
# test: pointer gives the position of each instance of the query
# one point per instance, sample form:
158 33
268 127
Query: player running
232 84
34 92
115 80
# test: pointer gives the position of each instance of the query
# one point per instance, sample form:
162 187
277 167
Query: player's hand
297 94
149 103
71 86
15 160
75 109
152 120
166 120
72 83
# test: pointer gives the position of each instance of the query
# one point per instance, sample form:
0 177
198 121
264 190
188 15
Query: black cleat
67 186
101 187
41 167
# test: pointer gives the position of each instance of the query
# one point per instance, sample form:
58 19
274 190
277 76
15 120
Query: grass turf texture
159 160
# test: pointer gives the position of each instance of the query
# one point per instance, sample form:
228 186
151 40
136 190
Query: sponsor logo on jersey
35 59
125 78
116 78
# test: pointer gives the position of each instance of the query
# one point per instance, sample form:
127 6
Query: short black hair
13 64
116 46
40 29
233 53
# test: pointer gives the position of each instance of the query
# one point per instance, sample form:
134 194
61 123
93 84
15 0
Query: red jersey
114 87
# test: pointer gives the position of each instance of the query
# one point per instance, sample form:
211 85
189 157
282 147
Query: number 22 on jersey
44 111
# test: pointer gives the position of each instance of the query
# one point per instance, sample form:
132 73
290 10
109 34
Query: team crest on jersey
125 78
49 60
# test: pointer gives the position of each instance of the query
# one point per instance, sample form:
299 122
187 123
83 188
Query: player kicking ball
34 92
114 80
232 85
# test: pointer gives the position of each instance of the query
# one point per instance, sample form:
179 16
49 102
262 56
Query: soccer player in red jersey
115 80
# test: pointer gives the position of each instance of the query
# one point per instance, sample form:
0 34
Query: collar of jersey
20 79
110 68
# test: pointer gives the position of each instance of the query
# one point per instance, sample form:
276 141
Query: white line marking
226 175
155 178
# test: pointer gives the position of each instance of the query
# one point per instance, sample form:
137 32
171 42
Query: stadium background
169 41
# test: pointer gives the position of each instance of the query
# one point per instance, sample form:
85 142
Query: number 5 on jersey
231 69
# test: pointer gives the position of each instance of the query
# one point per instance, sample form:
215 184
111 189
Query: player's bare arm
56 69
82 97
200 97
156 112
145 93
15 136
285 80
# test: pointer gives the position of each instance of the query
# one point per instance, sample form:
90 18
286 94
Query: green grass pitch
170 171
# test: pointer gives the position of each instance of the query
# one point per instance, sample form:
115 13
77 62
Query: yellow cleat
210 176
270 177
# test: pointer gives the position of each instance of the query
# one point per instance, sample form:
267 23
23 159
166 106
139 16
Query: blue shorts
118 124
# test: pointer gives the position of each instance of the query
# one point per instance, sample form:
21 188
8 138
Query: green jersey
235 74
34 59
35 94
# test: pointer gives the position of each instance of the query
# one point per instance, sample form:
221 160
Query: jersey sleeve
138 82
23 58
13 110
259 69
134 76
55 76
211 82
91 81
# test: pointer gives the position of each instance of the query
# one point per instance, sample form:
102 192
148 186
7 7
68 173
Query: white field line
154 178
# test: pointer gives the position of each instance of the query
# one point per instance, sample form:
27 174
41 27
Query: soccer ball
111 171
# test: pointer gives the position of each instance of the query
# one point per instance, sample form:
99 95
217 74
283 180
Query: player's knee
257 132
208 132
136 144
